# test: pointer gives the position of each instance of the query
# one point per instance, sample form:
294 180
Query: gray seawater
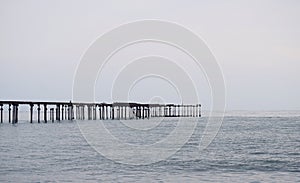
250 147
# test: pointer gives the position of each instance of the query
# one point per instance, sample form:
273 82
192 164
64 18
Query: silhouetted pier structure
96 111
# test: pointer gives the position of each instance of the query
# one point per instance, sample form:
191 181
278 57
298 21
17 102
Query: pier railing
57 111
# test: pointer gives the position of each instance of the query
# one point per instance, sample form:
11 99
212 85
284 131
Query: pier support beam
94 112
83 112
68 113
113 112
45 113
31 112
39 113
62 112
100 112
78 114
118 112
9 113
57 112
104 112
15 113
72 111
52 115
89 113
107 112
1 112
125 109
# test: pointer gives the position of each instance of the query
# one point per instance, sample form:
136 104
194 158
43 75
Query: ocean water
249 147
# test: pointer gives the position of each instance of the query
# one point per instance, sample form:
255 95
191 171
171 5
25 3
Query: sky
256 43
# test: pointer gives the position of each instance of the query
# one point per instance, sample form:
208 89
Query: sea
250 146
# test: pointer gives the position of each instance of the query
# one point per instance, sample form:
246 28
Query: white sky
257 44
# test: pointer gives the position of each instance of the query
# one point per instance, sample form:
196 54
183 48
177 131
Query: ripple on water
248 149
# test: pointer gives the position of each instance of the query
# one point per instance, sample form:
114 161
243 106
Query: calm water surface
250 147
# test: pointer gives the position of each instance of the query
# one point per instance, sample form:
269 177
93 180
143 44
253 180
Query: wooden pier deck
57 111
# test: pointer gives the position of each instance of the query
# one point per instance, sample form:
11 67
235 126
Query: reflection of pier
92 111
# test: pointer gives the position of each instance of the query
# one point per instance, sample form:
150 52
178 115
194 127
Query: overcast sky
256 43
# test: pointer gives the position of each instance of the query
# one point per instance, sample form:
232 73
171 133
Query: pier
59 111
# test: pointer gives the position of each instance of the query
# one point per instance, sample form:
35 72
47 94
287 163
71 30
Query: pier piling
9 113
45 113
121 111
39 113
31 112
15 113
1 112
52 114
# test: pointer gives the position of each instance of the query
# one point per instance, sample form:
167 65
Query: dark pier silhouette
57 111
